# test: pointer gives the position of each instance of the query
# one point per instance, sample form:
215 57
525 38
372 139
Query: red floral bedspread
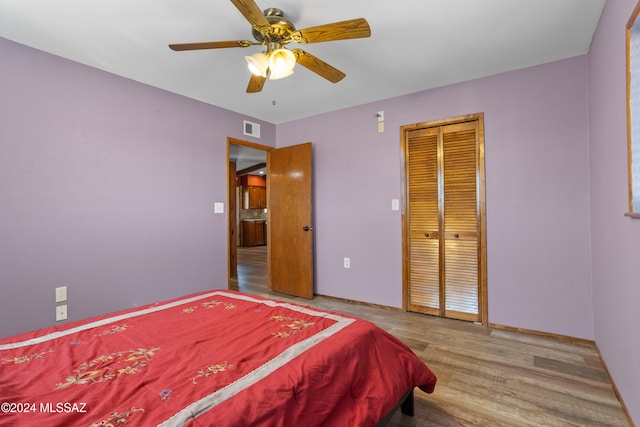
218 358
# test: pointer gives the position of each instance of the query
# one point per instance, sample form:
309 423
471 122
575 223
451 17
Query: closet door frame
481 210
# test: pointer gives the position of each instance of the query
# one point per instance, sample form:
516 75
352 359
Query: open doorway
248 226
286 227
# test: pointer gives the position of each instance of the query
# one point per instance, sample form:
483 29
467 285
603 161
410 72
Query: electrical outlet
347 263
61 294
61 312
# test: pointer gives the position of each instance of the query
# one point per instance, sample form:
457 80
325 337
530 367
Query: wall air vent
252 129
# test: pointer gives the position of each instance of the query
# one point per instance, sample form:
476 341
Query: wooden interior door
444 244
460 221
423 222
289 220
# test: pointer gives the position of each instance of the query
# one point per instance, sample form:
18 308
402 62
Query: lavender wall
615 238
537 194
107 186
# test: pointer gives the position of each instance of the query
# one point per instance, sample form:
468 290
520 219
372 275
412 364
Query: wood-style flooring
486 377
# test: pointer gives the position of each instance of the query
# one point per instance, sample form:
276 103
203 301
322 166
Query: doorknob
307 228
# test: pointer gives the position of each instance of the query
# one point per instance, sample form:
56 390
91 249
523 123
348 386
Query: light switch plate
218 207
395 204
61 294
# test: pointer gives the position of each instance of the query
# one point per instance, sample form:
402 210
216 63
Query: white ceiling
415 45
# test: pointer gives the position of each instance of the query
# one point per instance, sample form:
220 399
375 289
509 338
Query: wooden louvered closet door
444 244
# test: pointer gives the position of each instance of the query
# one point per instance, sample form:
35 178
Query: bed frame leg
407 406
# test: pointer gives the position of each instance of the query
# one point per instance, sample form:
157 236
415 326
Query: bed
217 358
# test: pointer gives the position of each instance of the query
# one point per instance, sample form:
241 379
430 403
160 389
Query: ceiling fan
273 30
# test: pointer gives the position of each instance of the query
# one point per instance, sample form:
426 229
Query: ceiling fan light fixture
276 76
281 63
258 64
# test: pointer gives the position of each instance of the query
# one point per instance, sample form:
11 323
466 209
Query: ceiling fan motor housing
280 30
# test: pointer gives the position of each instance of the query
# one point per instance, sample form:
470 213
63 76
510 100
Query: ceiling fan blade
351 29
318 66
251 12
255 83
211 45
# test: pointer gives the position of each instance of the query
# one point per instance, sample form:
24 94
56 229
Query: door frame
483 311
230 241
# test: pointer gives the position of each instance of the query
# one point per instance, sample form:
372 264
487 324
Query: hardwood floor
486 377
